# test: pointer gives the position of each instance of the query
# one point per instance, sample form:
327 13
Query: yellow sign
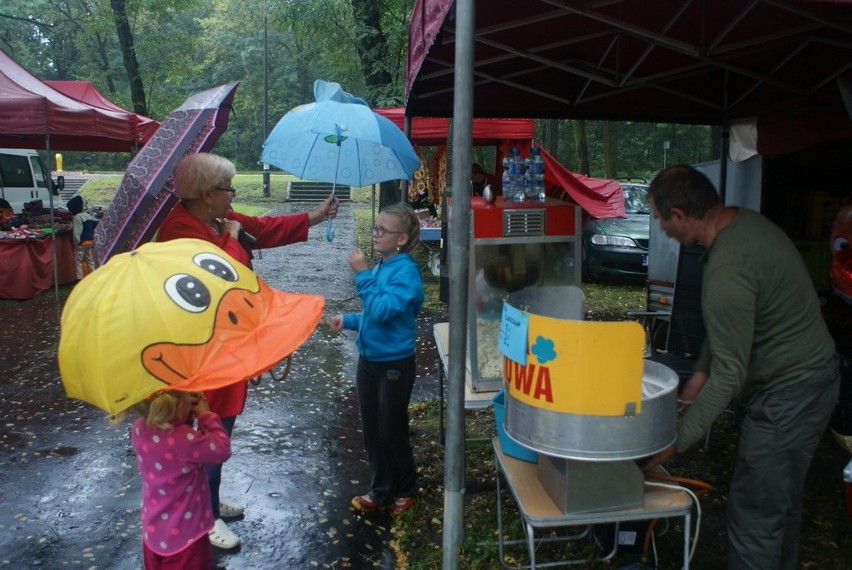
579 367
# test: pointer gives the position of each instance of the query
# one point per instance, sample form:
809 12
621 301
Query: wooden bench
306 191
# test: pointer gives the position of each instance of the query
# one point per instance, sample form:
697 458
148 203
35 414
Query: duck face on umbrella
175 315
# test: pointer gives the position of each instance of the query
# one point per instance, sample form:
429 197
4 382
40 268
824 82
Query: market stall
27 263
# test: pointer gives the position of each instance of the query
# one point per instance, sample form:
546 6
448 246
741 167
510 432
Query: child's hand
199 404
335 322
357 260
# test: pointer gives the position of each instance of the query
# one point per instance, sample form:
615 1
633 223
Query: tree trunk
582 146
128 52
609 147
551 136
372 44
388 193
715 142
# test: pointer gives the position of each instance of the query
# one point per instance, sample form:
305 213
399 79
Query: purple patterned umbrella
146 194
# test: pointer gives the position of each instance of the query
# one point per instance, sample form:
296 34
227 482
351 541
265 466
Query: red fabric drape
599 197
28 265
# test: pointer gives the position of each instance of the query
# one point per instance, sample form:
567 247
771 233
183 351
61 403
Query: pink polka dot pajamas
176 509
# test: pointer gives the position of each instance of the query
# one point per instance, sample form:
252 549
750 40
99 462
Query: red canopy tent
36 116
776 63
434 130
599 197
85 91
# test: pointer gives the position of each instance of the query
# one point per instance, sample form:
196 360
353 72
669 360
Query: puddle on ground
68 478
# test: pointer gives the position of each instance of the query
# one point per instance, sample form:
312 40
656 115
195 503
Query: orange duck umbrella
180 315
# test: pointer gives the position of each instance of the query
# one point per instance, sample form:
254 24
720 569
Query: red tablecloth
26 266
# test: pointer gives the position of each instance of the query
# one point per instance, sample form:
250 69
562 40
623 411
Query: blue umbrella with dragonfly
338 139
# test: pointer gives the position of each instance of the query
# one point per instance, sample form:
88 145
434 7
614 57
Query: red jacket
270 231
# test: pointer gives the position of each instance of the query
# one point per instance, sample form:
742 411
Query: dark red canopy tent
695 62
85 91
36 116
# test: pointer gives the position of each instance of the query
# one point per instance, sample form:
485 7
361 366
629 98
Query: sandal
402 504
364 503
223 537
229 510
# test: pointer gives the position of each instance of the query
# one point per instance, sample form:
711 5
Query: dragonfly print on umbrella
338 139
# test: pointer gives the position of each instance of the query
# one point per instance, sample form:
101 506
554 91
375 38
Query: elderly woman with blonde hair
204 184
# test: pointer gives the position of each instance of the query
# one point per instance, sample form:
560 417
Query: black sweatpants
384 390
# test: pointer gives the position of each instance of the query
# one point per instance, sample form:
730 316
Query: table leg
441 402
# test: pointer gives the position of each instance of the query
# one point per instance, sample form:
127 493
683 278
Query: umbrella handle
329 231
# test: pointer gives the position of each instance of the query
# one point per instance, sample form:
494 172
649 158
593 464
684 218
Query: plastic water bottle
536 171
508 191
516 173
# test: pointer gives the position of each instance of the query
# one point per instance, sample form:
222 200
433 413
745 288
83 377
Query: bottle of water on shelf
536 190
506 180
516 173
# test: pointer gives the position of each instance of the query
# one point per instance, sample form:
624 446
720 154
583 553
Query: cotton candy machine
515 246
588 403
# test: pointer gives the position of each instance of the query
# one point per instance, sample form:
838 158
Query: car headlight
616 241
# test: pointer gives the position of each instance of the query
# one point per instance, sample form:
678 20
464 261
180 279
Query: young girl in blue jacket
391 297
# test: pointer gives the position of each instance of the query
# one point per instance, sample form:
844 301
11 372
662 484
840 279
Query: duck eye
188 292
216 265
839 244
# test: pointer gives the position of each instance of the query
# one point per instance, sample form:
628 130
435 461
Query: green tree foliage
185 46
638 147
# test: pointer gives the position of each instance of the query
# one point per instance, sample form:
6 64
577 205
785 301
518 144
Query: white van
24 178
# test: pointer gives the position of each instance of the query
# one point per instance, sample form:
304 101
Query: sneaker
402 504
229 510
223 537
364 503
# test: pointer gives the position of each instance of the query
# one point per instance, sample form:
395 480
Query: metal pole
266 180
52 220
454 453
403 186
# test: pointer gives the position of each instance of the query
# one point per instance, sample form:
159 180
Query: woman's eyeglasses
230 189
379 231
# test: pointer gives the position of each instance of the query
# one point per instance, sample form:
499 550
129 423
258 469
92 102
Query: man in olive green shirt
767 348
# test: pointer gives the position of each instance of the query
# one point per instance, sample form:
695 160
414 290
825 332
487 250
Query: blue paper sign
513 334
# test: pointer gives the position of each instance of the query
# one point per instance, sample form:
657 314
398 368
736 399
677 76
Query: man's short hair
685 188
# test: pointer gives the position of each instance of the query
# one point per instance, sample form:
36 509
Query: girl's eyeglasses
379 231
230 189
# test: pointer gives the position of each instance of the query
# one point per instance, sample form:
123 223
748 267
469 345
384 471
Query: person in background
82 236
392 296
204 184
479 179
768 348
171 455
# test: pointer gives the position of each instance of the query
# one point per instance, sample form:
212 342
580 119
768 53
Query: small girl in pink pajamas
171 454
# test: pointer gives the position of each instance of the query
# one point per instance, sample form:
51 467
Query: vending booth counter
26 265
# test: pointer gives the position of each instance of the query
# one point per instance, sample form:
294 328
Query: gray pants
779 436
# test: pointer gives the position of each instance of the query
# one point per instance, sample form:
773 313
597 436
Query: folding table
538 511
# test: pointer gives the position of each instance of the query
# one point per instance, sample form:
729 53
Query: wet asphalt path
69 487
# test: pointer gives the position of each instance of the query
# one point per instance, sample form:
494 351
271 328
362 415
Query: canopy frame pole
52 222
454 452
